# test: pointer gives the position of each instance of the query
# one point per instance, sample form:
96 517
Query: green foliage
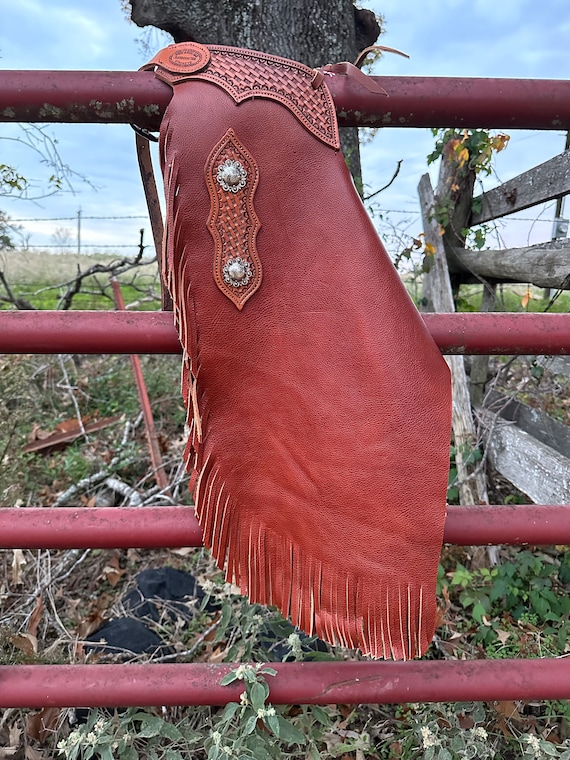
469 455
476 237
7 230
127 735
519 607
251 630
18 406
10 179
472 149
95 295
463 731
35 399
510 298
444 738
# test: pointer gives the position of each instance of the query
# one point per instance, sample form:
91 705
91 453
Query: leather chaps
318 404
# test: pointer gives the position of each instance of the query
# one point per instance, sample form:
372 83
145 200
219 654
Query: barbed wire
144 216
94 246
74 218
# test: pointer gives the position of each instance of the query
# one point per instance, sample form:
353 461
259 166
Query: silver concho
237 272
231 175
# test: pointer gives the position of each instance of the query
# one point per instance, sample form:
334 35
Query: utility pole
79 230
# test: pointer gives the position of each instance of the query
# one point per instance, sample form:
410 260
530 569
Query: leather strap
153 205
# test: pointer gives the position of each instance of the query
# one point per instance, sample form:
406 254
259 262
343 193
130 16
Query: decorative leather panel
248 74
232 176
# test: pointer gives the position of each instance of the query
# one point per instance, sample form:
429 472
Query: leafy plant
471 151
473 148
127 735
515 600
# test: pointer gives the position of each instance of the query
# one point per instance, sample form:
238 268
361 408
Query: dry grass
40 267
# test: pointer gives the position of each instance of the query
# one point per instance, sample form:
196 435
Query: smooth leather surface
320 412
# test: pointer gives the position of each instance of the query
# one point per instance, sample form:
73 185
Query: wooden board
541 426
537 185
534 468
545 265
529 448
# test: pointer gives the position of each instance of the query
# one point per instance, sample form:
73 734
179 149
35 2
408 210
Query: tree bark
315 33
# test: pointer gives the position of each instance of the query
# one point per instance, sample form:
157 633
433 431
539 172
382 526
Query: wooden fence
537 464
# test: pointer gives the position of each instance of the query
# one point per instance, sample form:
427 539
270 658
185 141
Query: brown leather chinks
318 403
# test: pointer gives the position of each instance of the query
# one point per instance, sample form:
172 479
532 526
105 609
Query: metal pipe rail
126 96
108 332
318 683
155 527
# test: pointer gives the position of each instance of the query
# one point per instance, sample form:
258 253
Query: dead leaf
26 643
11 741
34 754
503 636
509 709
37 434
347 714
113 571
218 655
36 616
442 609
8 752
465 721
64 433
184 551
42 724
90 624
396 749
18 564
71 425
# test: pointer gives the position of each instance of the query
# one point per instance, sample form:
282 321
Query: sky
479 38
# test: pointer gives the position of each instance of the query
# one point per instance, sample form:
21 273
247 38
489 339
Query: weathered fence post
438 296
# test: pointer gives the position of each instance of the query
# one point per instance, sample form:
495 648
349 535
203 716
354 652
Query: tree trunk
314 32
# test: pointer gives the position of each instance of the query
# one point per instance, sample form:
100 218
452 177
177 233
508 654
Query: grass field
513 298
43 278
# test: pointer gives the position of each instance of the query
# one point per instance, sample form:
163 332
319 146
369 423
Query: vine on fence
471 151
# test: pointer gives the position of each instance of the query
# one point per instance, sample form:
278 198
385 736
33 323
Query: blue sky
511 38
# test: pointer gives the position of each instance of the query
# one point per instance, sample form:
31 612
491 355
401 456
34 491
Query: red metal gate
139 97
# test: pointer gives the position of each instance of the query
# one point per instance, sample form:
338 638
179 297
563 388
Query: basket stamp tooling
318 404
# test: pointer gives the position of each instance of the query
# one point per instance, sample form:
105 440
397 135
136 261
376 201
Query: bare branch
377 192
